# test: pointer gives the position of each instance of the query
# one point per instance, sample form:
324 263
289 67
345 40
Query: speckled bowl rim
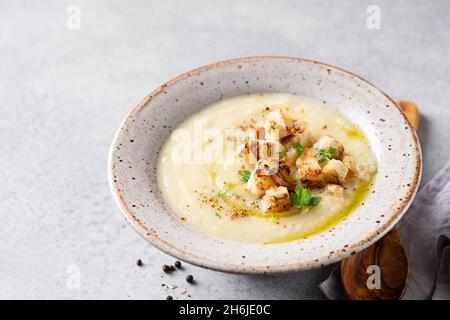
190 257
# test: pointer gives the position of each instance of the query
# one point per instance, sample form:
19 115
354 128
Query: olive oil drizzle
358 196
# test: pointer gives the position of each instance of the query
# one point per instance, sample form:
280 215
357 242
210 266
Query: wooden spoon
387 253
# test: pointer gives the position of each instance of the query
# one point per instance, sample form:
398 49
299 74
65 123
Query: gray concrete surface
64 92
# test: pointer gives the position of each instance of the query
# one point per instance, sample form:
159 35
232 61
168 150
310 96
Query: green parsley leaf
283 154
244 175
299 149
226 195
314 201
325 155
302 198
220 194
233 195
218 215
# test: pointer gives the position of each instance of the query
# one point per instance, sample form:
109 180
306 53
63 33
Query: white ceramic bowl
134 154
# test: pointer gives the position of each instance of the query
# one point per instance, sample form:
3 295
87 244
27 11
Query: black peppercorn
178 264
171 268
189 278
139 262
166 268
169 298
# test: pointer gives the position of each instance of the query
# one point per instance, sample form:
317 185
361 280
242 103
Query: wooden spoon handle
387 253
411 112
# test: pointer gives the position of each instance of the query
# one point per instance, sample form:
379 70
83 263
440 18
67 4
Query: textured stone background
64 92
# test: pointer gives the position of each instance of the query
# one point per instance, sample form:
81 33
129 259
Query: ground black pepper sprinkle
189 278
169 298
178 264
139 262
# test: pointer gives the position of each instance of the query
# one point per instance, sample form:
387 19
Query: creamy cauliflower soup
265 168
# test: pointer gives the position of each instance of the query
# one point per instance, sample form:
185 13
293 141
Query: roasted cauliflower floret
310 171
269 173
327 142
297 135
276 125
296 127
256 132
351 166
258 183
276 199
255 150
335 171
283 177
